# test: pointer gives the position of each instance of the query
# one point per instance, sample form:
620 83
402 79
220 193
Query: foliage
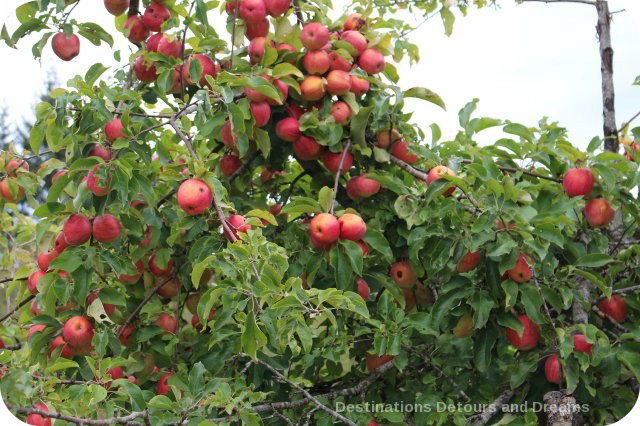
288 318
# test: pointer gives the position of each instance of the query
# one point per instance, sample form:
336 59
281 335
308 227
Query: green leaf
521 371
162 402
354 254
341 269
448 18
325 198
286 68
518 130
95 33
377 241
447 301
359 125
532 301
61 364
594 260
201 12
252 337
483 345
94 73
426 95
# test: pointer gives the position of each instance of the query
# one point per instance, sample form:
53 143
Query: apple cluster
579 182
10 189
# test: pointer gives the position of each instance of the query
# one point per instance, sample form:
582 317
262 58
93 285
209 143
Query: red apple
352 227
522 271
356 39
598 212
65 48
615 307
261 112
226 134
375 361
371 61
44 259
359 85
402 274
436 172
312 88
468 261
253 11
96 183
167 322
157 270
577 182
34 308
77 230
125 337
109 308
353 22
15 166
288 129
170 46
552 370
154 16
229 164
387 137
131 279
195 320
78 332
338 82
306 148
67 352
169 289
530 335
256 49
340 112
113 130
331 161
37 419
360 187
32 281
101 152
363 288
314 36
116 7
261 29
36 328
60 243
254 95
209 68
237 224
401 150
277 8
580 344
316 62
106 228
324 228
135 29
339 63
162 387
194 196
58 174
5 190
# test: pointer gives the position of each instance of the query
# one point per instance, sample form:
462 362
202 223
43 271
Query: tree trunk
606 71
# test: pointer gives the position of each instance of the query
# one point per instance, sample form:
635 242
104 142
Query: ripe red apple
60 243
387 137
530 335
339 63
256 49
36 328
401 150
402 274
208 68
359 85
598 212
194 196
226 134
195 320
154 16
169 289
261 29
363 288
277 8
44 259
615 307
552 370
577 182
67 351
65 48
162 387
15 166
288 129
113 130
340 112
316 62
125 337
375 361
78 332
170 46
371 61
294 111
324 228
229 164
284 91
261 112
436 172
356 39
116 7
338 82
253 11
135 29
58 174
237 224
32 281
5 190
580 344
352 227
331 161
131 279
361 186
157 270
353 22
468 261
312 88
96 183
314 36
77 230
306 148
101 152
167 322
106 228
34 308
109 308
522 271
37 419
254 95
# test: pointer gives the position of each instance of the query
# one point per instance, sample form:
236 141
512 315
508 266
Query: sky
523 62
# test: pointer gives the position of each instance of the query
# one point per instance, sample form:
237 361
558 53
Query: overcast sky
522 61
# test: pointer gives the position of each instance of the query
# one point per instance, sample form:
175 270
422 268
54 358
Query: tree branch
80 421
589 2
606 71
495 407
523 171
20 305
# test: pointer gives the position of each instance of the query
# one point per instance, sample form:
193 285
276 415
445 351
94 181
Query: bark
606 71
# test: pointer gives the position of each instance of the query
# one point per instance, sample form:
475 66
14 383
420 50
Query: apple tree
247 228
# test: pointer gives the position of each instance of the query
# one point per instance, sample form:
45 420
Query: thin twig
20 305
625 124
485 416
609 318
523 171
77 420
589 2
336 182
